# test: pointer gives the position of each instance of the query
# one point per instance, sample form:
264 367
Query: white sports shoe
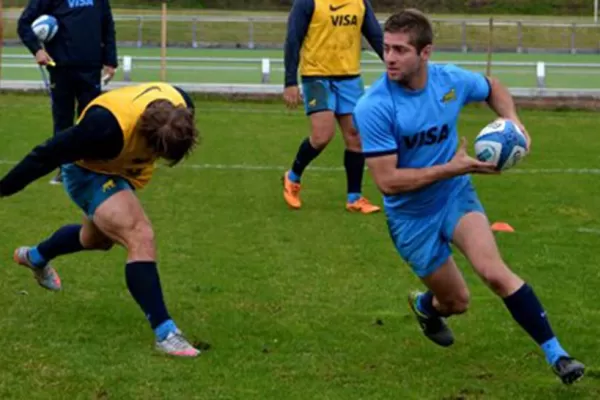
176 345
45 276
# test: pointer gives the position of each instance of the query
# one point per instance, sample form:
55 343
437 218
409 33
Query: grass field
250 71
448 33
289 301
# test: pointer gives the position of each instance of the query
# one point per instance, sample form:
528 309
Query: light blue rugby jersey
420 127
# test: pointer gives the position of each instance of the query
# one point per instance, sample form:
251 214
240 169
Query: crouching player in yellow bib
108 155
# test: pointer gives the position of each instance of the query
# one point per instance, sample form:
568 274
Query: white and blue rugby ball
502 143
45 27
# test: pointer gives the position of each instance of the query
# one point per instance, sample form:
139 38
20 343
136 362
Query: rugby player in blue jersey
407 124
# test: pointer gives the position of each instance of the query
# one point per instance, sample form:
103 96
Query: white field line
259 167
589 230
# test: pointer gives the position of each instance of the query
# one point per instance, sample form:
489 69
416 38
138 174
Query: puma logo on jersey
110 184
344 20
433 135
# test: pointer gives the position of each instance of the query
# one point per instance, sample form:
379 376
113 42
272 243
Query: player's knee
141 239
322 129
352 140
500 279
92 242
321 138
502 282
103 245
458 303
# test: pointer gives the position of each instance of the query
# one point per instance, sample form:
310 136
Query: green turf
289 300
268 33
217 72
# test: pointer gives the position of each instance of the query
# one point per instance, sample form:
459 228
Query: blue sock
527 310
163 330
425 305
143 283
352 197
553 351
293 177
36 258
64 241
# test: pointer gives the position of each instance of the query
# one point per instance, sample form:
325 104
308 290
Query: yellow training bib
136 160
332 46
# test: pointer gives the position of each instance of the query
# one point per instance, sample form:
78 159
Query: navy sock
527 310
64 241
425 305
143 283
306 153
354 162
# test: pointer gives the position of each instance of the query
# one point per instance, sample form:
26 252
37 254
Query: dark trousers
70 85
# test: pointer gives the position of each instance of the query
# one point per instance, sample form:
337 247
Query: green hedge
525 7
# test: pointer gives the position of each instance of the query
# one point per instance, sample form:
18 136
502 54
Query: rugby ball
45 27
502 143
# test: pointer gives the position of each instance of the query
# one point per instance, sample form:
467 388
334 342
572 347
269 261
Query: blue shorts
424 242
337 95
89 189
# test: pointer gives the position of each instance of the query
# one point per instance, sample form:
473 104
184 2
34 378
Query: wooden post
163 43
490 47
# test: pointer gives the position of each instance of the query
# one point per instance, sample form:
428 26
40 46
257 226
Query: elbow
21 28
494 84
389 188
383 186
392 188
385 190
493 81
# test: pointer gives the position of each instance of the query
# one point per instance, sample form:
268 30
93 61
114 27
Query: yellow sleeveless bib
332 46
136 161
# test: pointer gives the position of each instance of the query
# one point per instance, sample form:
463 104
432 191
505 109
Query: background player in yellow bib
324 38
105 157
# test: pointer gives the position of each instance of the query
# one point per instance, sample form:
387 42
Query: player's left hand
522 128
108 73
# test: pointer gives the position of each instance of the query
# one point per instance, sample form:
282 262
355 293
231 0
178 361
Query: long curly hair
169 130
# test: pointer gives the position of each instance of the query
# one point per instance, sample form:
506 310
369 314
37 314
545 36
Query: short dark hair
169 130
413 22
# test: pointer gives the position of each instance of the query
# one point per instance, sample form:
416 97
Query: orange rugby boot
362 205
291 192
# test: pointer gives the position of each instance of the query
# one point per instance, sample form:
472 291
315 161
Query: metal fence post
140 37
573 29
266 70
127 68
250 33
195 33
519 37
464 36
540 72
